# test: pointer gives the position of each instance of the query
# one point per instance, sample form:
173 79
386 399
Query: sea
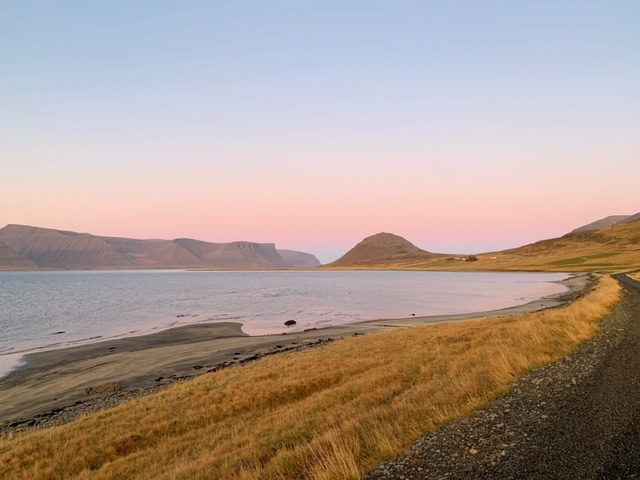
46 310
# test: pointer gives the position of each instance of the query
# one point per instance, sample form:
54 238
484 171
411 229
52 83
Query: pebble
66 414
519 414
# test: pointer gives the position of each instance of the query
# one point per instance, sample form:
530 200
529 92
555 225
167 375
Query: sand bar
58 378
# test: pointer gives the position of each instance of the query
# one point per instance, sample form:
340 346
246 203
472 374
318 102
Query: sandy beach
59 379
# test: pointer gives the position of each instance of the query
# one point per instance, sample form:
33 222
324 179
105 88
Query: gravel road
576 419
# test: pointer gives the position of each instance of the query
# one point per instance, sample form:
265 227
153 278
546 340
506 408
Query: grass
331 412
579 260
574 252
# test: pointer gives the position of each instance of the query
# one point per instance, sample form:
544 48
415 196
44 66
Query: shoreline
68 325
540 427
58 384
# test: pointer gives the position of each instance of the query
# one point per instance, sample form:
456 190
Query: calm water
46 310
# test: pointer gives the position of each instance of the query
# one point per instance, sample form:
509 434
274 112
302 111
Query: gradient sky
464 126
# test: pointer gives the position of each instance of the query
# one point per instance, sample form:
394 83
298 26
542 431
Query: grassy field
331 412
568 257
606 250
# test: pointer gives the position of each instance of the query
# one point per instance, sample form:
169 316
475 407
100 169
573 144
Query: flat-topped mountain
299 259
382 249
609 221
30 247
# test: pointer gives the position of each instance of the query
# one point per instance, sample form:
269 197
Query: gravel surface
57 386
95 403
578 418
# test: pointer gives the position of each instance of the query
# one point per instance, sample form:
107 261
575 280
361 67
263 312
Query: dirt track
576 419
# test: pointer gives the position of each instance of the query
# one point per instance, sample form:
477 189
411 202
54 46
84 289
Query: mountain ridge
609 221
613 248
23 246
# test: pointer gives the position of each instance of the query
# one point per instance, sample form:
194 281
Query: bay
57 309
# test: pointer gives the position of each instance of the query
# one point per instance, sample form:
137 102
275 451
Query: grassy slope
326 413
605 250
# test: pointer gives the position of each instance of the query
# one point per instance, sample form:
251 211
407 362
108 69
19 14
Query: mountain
50 248
608 222
228 255
28 247
383 249
9 258
608 249
152 253
298 259
605 249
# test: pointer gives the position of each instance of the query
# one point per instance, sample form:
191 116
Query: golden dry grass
610 249
326 413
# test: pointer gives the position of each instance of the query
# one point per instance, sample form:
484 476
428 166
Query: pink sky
323 211
462 128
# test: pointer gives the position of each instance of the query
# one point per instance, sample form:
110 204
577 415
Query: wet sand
58 378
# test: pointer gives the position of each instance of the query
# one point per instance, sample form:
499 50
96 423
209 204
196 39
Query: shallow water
47 310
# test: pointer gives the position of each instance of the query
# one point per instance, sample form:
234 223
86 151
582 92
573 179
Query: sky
465 126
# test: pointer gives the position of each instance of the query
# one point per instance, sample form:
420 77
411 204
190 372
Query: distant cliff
299 259
23 247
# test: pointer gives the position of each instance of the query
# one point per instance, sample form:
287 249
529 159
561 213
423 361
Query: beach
52 382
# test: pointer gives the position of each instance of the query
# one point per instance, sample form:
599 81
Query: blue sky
463 126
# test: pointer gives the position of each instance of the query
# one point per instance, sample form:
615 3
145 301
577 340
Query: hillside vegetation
610 249
325 413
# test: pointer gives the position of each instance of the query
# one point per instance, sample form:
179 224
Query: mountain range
26 247
608 244
588 248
